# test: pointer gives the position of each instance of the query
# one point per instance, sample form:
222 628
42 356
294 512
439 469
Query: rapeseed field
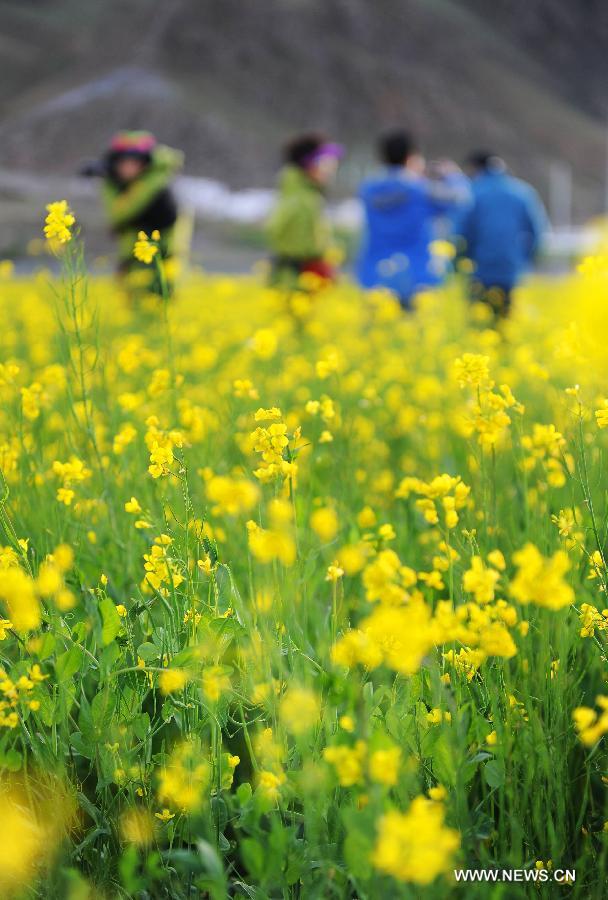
302 596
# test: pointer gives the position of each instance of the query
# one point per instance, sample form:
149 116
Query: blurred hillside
227 79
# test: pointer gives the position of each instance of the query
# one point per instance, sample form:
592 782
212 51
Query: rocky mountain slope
228 79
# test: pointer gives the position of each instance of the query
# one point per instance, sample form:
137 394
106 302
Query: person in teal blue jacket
402 207
501 231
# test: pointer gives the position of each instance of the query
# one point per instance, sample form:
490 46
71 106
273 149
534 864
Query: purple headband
331 151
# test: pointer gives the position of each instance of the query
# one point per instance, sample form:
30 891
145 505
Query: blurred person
299 231
402 206
500 231
137 195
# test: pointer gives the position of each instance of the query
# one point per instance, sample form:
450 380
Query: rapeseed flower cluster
415 847
146 248
184 779
59 222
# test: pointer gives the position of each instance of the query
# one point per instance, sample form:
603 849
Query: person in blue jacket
401 207
500 231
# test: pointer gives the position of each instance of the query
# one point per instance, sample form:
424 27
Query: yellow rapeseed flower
59 222
144 248
416 846
299 710
172 680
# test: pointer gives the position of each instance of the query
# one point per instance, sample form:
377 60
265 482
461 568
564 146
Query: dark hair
395 147
301 148
484 161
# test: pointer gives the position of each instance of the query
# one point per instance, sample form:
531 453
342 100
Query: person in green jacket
136 191
299 232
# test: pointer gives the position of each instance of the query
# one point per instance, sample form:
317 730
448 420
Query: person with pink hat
137 174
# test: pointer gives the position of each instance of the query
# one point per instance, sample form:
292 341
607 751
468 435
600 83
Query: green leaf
47 646
494 773
224 589
483 826
47 709
253 857
469 768
244 793
154 868
108 657
293 873
226 631
127 868
129 703
11 760
102 710
481 756
110 619
223 843
85 722
277 846
79 745
91 810
141 726
68 663
80 632
210 858
148 652
183 658
444 764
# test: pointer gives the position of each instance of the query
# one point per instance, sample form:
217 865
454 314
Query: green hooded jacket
123 207
298 228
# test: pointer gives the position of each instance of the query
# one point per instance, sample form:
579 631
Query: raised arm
451 191
123 207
